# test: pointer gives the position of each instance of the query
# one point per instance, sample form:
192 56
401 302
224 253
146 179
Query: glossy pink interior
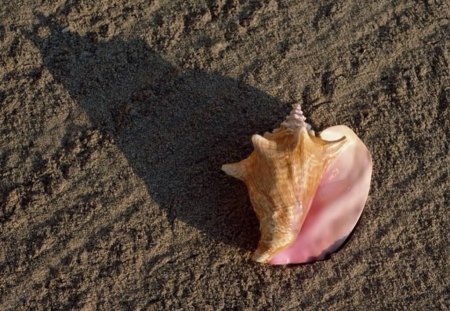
337 204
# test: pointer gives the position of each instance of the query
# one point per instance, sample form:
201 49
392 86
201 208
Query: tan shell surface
282 175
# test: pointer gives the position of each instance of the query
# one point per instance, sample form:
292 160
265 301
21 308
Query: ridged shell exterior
282 175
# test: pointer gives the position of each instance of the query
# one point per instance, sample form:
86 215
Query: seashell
308 191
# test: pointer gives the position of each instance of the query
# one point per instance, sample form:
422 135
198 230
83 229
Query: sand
115 117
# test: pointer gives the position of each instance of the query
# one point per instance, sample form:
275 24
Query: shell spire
296 119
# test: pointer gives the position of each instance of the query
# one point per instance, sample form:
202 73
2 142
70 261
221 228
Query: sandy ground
115 117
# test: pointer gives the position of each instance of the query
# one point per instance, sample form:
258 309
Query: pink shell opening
337 204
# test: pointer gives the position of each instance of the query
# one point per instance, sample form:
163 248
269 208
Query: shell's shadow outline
176 127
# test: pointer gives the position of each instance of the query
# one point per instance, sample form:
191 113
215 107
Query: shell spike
262 144
237 170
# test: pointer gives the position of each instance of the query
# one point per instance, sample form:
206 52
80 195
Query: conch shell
307 191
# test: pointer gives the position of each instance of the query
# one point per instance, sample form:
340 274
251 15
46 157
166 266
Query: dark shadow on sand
176 127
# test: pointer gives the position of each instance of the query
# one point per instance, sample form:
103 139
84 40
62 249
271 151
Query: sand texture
115 117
